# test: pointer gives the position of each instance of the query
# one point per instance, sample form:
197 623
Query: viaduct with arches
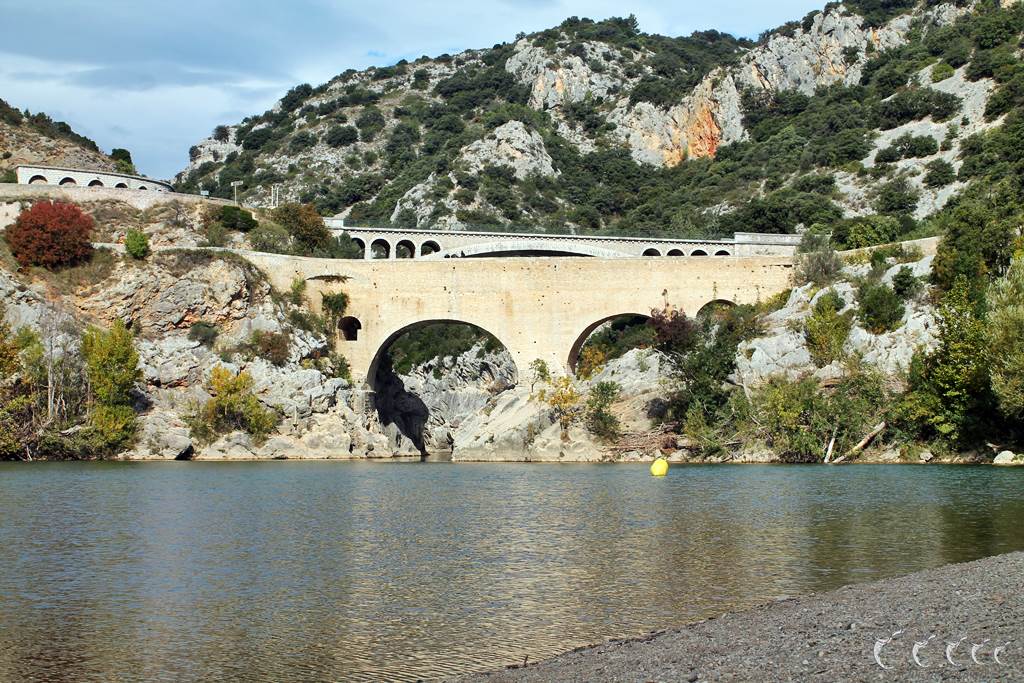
71 177
394 243
538 308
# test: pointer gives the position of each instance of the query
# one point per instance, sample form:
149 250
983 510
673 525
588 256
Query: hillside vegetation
864 118
27 138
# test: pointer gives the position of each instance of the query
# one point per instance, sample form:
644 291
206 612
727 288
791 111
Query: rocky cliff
428 143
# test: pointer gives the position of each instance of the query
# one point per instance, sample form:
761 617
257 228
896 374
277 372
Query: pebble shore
830 636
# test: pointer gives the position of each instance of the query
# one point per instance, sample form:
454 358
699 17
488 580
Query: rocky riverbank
831 636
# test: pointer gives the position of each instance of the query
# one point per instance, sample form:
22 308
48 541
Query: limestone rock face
511 145
782 350
570 78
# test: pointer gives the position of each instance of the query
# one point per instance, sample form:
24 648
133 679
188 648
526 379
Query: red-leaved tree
51 234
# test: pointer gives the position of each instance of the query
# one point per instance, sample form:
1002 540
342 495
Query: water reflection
313 571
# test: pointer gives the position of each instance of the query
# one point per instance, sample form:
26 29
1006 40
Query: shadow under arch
581 338
395 404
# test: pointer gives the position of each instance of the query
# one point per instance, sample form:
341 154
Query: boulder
1008 458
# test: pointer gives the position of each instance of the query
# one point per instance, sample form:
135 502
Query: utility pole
236 184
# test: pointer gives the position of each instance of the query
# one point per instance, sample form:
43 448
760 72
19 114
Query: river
310 571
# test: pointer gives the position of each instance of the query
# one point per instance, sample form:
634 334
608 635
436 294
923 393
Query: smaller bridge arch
380 249
429 247
96 183
405 249
581 338
37 180
698 252
652 252
68 180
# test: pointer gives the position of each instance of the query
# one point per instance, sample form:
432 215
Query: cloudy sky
157 77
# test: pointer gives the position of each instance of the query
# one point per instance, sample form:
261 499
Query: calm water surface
356 571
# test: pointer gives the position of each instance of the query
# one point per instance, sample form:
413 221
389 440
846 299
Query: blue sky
157 77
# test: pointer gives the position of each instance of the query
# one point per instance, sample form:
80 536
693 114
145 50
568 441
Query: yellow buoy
659 468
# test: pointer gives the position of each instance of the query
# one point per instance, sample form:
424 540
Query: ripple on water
358 571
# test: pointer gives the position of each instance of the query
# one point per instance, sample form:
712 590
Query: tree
978 233
950 389
123 160
51 234
112 368
1006 340
304 224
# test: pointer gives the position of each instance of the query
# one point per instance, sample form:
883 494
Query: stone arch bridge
397 243
538 308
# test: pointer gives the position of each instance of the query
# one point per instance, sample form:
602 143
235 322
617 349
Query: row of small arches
679 252
406 249
41 180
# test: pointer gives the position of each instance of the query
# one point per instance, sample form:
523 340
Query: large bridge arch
401 330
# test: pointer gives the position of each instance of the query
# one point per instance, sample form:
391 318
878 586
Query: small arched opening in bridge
349 328
676 252
652 252
698 252
609 338
68 181
405 249
37 180
143 187
362 246
722 252
380 249
95 183
122 186
428 350
429 247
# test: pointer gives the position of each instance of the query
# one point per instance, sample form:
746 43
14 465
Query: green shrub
136 243
9 176
341 136
599 419
905 284
203 332
271 238
939 173
274 347
817 261
880 309
941 72
334 307
237 218
232 407
896 197
826 330
112 369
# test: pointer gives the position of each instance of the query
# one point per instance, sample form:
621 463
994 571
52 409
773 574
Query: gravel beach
831 636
